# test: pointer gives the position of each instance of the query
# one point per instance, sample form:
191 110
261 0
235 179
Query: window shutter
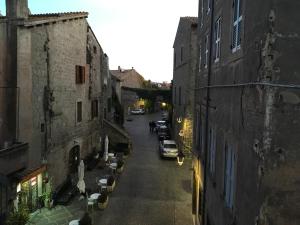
77 74
83 74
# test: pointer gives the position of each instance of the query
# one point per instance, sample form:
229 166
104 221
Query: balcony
13 158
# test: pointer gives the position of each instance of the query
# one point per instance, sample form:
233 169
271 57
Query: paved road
151 191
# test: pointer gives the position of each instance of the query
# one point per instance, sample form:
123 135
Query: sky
133 33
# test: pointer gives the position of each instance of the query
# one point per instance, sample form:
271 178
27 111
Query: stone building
185 61
246 131
129 78
51 68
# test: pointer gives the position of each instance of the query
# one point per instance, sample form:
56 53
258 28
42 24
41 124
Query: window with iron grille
237 25
79 112
94 108
206 51
217 32
80 74
229 176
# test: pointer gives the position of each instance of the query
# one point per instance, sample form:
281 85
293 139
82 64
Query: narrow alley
151 190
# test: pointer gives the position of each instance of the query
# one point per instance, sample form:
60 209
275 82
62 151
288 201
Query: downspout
47 97
207 111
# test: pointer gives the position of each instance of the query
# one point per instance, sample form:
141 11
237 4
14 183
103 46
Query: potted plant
20 217
46 198
120 166
111 183
102 200
85 220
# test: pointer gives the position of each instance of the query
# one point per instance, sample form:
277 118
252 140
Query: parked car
168 148
163 133
158 124
137 112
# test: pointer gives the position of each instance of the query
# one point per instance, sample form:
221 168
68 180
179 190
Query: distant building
185 61
246 142
52 74
129 78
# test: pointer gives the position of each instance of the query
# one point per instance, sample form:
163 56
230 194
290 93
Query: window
206 51
109 105
174 59
79 112
229 176
80 74
208 6
217 39
212 150
200 59
181 54
94 108
198 130
237 25
179 96
175 96
202 11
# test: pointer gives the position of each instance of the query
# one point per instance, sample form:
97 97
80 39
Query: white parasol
81 183
106 149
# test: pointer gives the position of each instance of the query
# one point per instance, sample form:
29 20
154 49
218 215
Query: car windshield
169 145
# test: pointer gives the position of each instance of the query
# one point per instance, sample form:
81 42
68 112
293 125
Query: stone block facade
185 62
246 113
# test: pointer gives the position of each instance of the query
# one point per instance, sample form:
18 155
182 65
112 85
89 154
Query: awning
27 174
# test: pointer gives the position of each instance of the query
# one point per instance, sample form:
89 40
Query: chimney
17 9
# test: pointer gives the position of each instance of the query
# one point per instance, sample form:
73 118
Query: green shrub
20 217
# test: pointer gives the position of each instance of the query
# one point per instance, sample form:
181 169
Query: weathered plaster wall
261 123
183 77
56 50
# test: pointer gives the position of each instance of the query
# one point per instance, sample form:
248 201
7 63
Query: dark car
163 133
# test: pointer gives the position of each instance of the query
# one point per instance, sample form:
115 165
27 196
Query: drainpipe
207 110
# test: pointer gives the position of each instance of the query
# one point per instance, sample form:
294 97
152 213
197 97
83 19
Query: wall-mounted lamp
180 158
179 119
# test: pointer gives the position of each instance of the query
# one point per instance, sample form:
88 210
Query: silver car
168 148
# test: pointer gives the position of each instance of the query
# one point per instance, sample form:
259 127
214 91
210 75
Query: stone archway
74 158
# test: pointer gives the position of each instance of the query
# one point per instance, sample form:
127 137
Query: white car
137 112
168 148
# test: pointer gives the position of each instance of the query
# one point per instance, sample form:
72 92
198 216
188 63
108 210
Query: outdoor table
113 167
103 184
94 196
74 222
102 181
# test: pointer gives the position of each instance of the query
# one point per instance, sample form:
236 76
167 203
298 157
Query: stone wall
183 79
259 122
56 50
